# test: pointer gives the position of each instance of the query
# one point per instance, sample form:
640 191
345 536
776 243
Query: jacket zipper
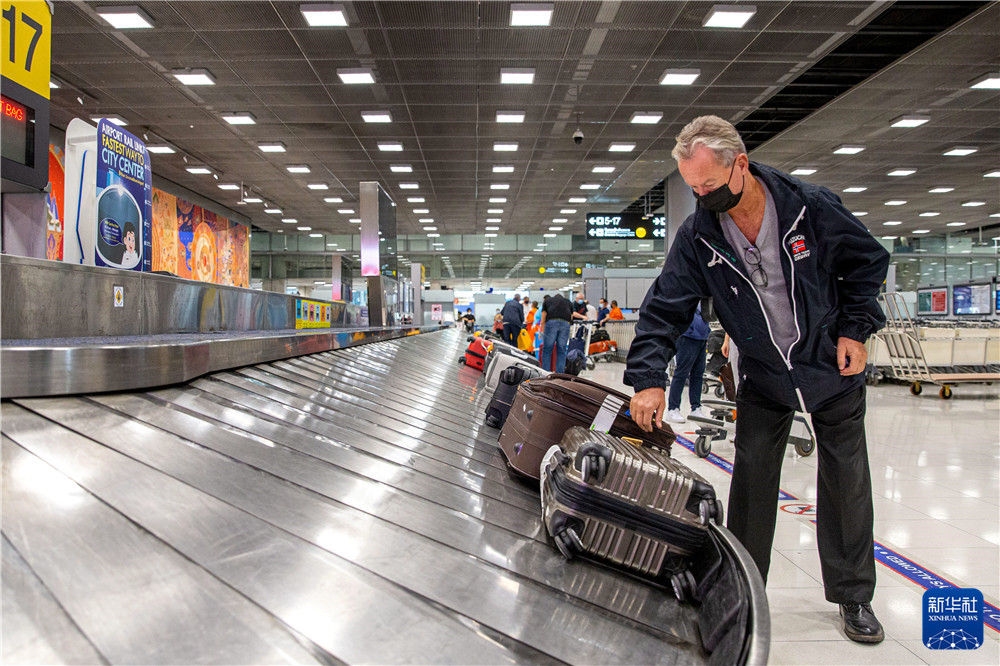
770 332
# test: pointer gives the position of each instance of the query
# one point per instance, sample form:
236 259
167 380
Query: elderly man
794 279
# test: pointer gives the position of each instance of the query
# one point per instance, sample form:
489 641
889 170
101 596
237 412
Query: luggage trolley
906 355
597 344
724 413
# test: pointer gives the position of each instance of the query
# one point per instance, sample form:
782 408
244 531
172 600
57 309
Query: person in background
529 319
554 326
513 319
498 322
579 307
602 312
794 278
526 304
616 312
689 368
591 311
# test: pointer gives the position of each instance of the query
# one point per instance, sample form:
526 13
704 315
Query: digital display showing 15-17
17 131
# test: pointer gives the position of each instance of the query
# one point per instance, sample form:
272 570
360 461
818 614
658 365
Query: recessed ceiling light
910 121
590 186
855 189
499 186
728 16
621 147
567 211
973 204
492 228
289 220
577 200
960 151
318 186
992 174
498 199
679 77
391 146
803 171
252 200
920 231
400 168
892 223
273 211
646 117
415 199
346 211
355 220
902 172
504 147
895 202
940 190
409 186
889 237
955 224
859 213
297 168
517 75
198 170
848 150
510 116
426 220
430 228
228 186
494 211
161 149
303 228
555 228
490 235
333 199
986 81
194 77
125 18
241 118
530 13
376 116
559 220
358 75
277 147
114 120
549 235
602 169
493 220
503 168
930 213
434 235
323 15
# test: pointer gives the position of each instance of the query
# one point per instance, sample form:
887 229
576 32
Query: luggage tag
607 414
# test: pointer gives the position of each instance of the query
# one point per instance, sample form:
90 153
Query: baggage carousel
345 507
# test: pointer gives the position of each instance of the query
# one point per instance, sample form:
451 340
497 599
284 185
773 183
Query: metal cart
724 412
906 355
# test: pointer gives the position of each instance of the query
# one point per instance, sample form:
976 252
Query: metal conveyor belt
344 507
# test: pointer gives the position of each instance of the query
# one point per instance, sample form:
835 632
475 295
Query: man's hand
851 356
647 408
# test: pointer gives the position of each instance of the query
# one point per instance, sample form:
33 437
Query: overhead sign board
625 225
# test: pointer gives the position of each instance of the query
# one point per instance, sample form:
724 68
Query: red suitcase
475 355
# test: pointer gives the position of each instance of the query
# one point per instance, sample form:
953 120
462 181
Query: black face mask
720 199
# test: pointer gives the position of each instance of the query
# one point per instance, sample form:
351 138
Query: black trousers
510 333
844 514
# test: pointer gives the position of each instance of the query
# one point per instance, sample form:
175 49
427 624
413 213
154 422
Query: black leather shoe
860 623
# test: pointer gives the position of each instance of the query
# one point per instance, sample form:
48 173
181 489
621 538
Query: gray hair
716 134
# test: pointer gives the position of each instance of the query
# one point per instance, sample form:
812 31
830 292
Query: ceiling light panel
646 117
126 18
510 116
356 76
241 118
323 15
910 121
728 16
530 14
517 75
194 77
679 77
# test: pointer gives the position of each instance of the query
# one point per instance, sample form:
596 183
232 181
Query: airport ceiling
800 79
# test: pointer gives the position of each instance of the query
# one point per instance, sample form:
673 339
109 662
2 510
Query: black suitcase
503 396
633 507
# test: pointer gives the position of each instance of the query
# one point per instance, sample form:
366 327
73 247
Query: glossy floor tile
935 468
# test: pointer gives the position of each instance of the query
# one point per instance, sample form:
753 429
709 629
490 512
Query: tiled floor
936 480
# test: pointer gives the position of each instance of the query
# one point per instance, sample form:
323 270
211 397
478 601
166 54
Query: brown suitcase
546 407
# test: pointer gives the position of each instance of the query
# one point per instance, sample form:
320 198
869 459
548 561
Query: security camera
578 136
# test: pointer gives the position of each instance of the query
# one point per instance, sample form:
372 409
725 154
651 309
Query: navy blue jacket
513 313
833 270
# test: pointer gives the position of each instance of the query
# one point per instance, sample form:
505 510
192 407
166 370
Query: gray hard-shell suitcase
631 506
502 357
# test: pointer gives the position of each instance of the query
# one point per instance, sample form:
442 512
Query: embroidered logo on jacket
798 245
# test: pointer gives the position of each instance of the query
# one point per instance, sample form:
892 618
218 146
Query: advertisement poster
54 205
124 200
197 244
311 314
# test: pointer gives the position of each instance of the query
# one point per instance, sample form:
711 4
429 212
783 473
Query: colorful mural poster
311 314
54 206
197 244
124 199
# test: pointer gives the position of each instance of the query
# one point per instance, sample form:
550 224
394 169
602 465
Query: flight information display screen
971 299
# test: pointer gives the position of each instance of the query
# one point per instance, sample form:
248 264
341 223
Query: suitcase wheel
592 461
492 420
461 360
684 586
709 509
568 542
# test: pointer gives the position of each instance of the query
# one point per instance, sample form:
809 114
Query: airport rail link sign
625 225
